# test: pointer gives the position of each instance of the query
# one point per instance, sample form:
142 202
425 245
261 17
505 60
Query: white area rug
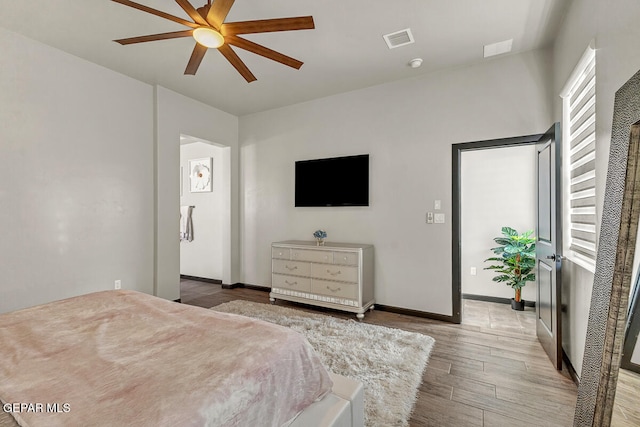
389 362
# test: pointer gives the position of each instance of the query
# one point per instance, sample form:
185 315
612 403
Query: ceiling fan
210 31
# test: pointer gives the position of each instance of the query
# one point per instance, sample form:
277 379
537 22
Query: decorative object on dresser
336 275
320 235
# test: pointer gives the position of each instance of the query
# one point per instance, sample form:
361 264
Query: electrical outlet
118 284
439 218
473 271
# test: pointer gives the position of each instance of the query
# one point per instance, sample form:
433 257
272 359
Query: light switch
438 218
429 217
437 205
473 271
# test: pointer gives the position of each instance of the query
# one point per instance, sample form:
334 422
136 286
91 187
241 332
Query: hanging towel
186 225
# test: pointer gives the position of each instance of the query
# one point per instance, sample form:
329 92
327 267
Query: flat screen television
336 181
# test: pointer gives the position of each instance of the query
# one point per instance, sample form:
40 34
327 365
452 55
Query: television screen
337 181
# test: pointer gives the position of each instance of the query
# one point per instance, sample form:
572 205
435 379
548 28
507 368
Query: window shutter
580 112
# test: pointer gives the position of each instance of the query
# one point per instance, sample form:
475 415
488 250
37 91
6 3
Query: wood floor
626 411
489 371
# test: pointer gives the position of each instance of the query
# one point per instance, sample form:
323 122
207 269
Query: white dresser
336 275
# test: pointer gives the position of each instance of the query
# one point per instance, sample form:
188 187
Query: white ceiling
344 52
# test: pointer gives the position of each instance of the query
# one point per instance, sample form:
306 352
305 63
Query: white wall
498 188
614 28
76 176
202 257
176 115
407 127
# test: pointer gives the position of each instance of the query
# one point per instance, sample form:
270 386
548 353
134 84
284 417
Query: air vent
498 48
399 38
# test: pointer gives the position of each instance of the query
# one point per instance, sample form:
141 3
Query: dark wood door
549 244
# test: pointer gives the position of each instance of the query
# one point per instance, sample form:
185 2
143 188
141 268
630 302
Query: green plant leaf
508 231
502 241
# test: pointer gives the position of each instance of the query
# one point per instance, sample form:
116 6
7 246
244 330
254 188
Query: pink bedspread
122 358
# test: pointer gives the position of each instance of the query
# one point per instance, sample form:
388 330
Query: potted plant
517 258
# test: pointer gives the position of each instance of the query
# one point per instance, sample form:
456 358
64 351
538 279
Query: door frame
456 215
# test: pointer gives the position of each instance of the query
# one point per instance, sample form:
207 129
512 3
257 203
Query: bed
126 358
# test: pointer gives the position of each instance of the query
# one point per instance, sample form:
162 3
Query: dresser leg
372 307
272 300
360 316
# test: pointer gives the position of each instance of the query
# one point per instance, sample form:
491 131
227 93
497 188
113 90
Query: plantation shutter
580 104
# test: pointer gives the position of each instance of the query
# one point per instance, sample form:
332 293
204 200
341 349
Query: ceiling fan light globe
208 37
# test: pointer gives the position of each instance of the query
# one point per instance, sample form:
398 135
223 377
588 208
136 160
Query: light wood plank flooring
626 411
489 371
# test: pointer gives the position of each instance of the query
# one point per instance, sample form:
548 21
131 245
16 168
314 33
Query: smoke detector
415 62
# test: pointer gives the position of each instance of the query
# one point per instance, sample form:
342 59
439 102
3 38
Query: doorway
472 265
548 232
497 189
207 197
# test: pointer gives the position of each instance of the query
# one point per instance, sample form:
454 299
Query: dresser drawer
280 253
311 255
333 289
345 258
295 268
335 272
302 284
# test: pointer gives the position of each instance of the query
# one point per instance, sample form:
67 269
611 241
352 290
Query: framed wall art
200 175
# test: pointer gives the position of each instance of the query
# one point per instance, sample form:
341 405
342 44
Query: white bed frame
343 407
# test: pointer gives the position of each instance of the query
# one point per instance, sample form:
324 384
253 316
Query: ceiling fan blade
218 12
154 37
196 59
157 13
192 12
263 51
235 60
268 25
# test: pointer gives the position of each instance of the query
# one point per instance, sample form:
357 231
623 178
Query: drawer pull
334 273
333 289
295 267
290 283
